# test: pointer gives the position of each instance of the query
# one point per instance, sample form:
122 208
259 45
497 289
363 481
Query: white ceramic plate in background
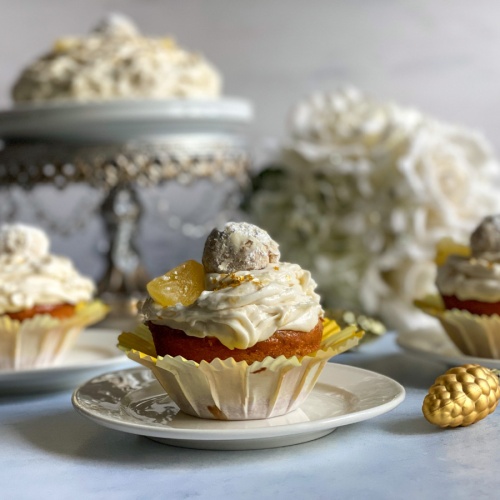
433 344
132 401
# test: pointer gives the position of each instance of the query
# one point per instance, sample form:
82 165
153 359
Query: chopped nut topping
232 280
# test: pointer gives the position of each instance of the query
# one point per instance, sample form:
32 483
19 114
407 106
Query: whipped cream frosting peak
21 240
469 279
114 61
246 307
31 276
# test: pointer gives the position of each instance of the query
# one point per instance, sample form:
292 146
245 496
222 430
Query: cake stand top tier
125 120
110 143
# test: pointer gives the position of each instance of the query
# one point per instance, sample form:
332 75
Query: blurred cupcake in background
468 281
44 301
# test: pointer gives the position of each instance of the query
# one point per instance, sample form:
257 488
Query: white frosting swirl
254 305
30 276
116 62
469 279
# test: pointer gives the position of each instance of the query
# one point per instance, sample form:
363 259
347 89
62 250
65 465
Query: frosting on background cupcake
116 62
30 275
476 277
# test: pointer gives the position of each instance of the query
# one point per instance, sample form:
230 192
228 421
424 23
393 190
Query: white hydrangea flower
365 192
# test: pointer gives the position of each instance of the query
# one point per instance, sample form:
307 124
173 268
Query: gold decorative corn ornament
462 396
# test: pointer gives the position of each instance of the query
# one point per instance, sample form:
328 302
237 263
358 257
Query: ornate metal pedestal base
120 170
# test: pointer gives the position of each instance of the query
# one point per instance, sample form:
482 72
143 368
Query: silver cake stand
119 148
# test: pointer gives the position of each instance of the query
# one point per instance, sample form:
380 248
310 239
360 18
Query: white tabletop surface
47 450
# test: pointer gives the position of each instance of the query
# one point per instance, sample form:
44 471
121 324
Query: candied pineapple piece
447 247
168 43
183 285
64 44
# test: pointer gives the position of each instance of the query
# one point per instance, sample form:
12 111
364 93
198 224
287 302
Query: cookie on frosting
239 247
485 239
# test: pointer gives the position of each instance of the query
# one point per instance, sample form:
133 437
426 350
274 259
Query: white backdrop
438 56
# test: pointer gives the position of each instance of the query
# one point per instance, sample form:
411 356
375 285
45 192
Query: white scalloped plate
132 401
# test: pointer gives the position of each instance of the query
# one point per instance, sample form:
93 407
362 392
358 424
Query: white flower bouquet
362 193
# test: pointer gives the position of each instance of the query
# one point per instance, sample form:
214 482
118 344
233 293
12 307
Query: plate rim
191 435
404 341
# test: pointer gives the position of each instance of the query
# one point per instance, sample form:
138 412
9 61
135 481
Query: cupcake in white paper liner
240 336
230 390
44 302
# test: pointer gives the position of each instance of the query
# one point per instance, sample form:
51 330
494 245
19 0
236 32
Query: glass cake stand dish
120 148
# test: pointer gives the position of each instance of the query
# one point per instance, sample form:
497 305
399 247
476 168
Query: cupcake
239 336
44 301
468 281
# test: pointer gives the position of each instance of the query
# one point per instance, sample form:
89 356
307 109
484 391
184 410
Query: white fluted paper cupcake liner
43 341
473 334
230 390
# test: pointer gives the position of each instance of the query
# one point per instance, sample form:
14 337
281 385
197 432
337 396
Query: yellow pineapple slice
64 44
183 285
447 247
168 43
